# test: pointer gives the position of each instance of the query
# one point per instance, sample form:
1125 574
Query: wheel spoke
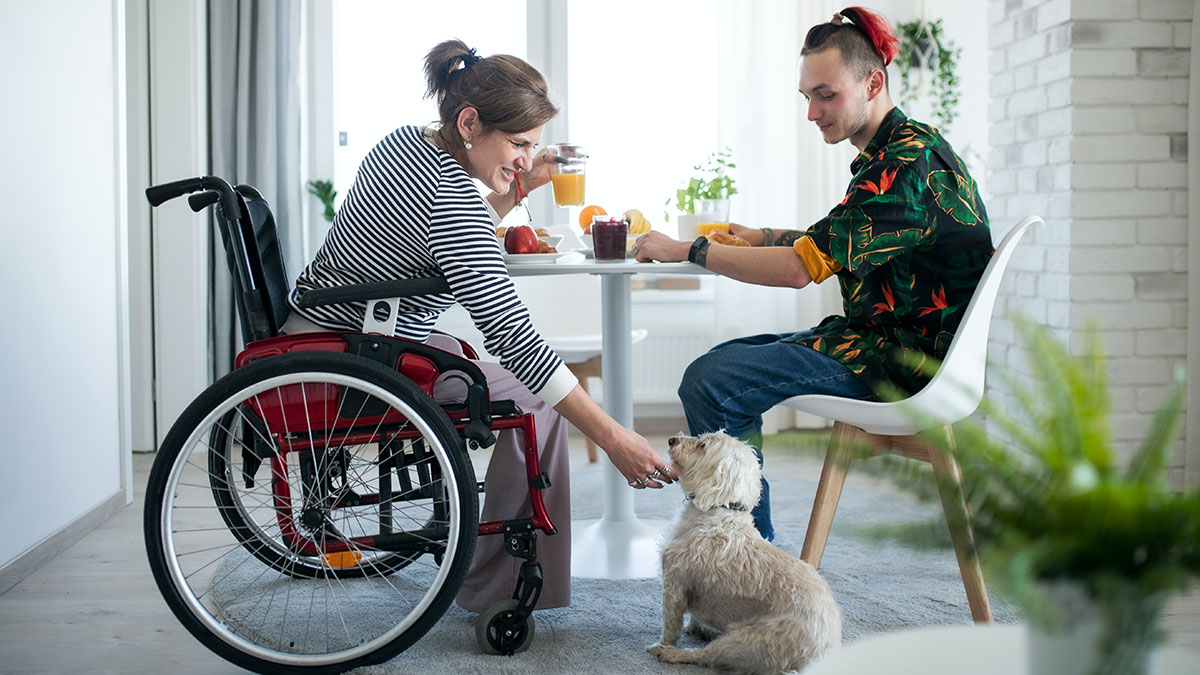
284 567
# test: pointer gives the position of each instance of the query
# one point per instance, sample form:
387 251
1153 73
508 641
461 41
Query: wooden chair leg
829 491
949 479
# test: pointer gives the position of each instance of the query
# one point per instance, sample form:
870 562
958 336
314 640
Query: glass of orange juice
568 173
705 229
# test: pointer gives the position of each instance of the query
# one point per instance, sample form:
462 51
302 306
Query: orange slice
585 216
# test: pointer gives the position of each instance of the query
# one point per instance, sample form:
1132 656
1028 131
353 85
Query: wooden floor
95 609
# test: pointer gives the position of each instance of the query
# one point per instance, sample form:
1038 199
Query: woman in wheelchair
413 211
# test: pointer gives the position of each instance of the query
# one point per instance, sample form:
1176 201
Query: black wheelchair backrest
252 249
270 271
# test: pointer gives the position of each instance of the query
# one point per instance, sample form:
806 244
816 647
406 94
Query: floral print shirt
908 245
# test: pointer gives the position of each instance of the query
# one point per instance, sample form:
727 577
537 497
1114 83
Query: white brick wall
1089 129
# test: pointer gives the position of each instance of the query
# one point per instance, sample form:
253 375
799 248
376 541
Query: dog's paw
665 653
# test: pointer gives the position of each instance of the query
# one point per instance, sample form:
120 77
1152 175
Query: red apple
520 240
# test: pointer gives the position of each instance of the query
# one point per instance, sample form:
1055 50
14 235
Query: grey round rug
881 586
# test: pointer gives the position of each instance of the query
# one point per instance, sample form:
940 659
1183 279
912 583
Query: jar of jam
609 234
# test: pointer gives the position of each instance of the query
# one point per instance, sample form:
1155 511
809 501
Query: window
641 94
379 58
642 98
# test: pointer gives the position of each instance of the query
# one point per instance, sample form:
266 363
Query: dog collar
735 506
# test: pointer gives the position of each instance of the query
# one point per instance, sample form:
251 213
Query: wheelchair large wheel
311 512
247 505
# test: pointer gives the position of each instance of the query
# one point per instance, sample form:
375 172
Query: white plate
570 237
531 258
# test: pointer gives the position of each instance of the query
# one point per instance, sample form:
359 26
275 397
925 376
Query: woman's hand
631 454
658 246
637 461
528 181
538 174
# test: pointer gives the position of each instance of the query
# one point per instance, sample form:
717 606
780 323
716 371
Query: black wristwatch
698 253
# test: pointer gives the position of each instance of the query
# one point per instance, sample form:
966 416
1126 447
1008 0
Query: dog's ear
730 473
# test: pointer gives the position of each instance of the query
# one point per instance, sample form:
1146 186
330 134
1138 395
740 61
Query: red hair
877 29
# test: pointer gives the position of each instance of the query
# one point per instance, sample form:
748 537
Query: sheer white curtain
787 176
254 117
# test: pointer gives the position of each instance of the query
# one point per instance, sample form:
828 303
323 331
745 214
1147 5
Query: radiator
658 365
659 361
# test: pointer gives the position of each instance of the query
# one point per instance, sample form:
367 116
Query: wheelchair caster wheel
500 632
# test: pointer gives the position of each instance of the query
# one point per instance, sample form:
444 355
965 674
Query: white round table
618 545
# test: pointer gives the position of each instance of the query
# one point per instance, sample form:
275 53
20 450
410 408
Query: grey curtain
254 137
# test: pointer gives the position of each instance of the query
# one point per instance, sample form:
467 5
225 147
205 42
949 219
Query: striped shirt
414 212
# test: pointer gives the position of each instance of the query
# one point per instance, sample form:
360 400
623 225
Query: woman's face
496 156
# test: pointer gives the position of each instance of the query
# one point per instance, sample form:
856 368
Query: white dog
764 610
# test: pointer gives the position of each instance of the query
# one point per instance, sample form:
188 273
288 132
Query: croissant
719 237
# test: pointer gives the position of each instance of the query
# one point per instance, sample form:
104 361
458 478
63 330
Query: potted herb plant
709 189
925 49
323 190
1052 508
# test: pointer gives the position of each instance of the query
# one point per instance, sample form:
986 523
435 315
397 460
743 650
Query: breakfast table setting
619 544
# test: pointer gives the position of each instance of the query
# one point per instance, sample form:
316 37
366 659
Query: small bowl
552 239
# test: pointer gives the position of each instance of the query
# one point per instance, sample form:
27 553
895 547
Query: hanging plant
924 47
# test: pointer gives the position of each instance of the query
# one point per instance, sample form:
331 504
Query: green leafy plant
1052 506
323 190
712 181
924 45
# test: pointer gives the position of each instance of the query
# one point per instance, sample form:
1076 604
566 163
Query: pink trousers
493 573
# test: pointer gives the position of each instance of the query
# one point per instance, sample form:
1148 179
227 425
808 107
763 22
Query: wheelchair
315 510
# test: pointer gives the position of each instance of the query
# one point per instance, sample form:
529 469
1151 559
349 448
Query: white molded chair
582 354
951 395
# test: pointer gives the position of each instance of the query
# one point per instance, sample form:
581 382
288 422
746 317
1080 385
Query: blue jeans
732 385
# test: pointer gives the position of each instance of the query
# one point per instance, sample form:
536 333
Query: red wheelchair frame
422 372
301 542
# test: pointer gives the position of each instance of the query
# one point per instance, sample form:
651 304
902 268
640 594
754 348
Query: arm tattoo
787 237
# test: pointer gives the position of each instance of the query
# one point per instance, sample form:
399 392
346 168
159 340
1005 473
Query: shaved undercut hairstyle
864 38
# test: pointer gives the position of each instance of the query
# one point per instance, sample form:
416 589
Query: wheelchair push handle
157 194
203 200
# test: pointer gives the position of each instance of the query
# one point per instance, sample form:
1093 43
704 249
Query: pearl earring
468 145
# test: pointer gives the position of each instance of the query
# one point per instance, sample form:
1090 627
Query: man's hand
753 235
658 246
774 266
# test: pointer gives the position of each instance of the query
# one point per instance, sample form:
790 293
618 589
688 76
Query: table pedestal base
616 549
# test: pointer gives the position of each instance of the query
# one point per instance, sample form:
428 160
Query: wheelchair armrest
388 350
376 290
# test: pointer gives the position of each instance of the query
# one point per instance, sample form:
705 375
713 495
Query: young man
907 244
